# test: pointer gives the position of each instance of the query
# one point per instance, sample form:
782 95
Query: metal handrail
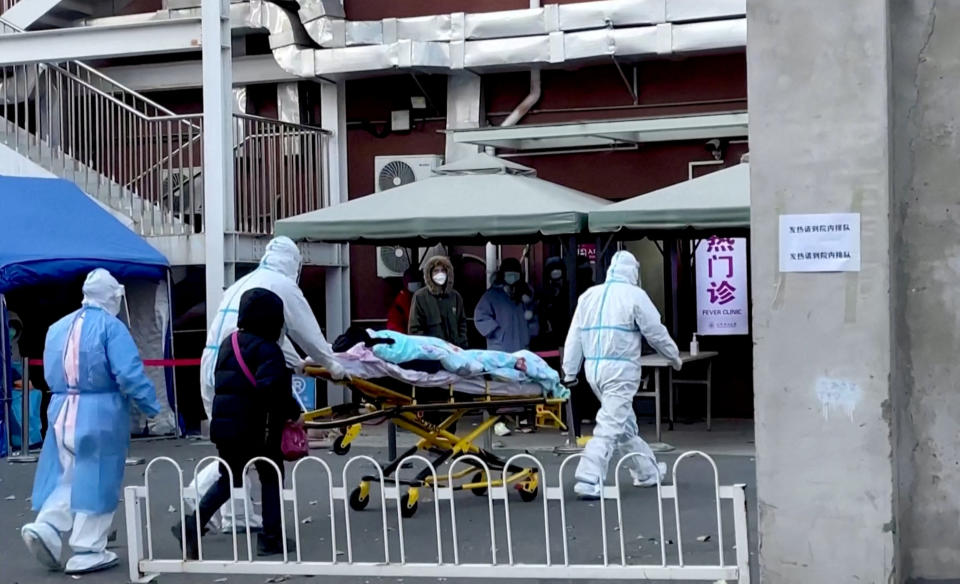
167 114
256 118
123 88
147 161
304 130
119 148
279 169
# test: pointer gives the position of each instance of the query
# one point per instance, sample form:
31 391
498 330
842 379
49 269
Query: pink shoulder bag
293 442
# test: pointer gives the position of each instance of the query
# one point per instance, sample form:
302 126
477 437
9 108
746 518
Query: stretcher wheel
357 501
406 509
527 496
479 478
338 447
527 493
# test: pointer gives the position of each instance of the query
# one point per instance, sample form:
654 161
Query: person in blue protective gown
94 371
605 337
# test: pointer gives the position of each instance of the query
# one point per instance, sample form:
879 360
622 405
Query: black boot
193 552
271 545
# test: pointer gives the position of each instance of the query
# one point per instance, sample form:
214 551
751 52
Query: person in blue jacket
94 371
506 314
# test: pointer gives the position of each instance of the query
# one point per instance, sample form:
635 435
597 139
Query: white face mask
413 286
511 278
556 274
439 278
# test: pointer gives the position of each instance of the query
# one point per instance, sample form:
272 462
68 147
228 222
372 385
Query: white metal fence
731 565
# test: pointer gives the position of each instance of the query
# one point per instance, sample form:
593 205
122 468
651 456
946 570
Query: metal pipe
528 102
25 410
391 441
515 116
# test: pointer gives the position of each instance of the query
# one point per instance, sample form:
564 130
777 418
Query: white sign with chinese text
722 296
827 242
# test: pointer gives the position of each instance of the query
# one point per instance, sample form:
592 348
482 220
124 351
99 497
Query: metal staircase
146 161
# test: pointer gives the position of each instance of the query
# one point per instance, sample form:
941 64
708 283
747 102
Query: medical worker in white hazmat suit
605 338
94 371
278 272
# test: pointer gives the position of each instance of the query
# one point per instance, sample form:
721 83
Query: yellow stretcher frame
381 403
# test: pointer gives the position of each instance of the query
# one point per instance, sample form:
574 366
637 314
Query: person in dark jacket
555 303
437 309
506 314
248 418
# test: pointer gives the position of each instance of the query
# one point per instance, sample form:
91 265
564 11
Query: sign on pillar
828 242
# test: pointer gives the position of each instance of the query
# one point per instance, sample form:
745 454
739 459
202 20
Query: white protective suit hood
103 291
282 255
624 268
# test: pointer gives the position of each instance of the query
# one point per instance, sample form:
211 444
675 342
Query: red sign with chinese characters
722 296
588 250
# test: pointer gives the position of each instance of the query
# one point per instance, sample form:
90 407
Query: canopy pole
173 355
5 354
571 264
573 420
24 455
674 285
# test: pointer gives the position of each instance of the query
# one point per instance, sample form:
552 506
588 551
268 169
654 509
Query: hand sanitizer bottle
694 346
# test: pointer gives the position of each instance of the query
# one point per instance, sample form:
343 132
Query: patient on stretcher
432 362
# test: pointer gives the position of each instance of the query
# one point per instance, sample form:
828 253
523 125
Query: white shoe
44 543
587 491
256 524
649 481
85 563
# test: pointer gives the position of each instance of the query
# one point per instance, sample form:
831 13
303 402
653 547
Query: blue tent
52 231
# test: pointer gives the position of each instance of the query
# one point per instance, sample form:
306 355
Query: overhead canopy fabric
52 230
481 196
720 199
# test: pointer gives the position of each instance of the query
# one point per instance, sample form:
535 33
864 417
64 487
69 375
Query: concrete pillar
333 117
217 148
926 230
820 142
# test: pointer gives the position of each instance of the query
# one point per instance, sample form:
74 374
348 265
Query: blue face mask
511 278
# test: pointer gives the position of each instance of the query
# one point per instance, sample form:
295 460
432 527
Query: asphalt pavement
641 530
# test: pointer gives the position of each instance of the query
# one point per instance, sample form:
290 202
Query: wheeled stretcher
405 405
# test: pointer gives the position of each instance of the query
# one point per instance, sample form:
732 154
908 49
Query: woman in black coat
248 418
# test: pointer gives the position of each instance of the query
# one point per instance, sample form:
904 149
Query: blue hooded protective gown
110 376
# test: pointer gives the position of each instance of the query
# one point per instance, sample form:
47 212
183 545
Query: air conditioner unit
393 261
390 172
394 171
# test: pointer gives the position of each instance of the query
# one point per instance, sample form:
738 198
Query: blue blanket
471 363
